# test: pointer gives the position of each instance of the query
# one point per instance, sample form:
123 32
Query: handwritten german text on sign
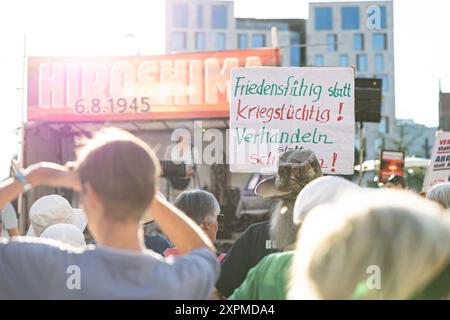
274 110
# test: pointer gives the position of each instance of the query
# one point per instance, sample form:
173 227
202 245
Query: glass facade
319 61
350 18
200 43
180 15
358 42
383 17
385 82
379 63
379 42
361 62
258 40
178 41
219 17
332 42
343 60
242 41
221 41
295 50
323 18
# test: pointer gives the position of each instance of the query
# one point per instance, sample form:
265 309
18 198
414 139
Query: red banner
179 86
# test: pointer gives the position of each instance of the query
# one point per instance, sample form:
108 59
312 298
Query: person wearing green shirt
268 280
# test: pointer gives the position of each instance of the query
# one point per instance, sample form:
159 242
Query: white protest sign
277 109
439 169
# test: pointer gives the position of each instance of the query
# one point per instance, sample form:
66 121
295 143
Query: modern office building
209 25
358 34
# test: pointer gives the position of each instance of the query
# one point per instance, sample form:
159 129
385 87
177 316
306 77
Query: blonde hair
339 245
441 194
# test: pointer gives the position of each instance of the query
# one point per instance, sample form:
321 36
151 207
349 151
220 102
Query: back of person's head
201 206
381 245
66 233
320 191
122 170
441 194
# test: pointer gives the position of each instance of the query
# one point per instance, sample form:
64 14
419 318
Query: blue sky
97 27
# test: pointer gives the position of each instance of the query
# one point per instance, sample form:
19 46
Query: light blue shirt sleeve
198 270
9 217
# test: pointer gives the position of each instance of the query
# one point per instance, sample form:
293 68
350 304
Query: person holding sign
296 169
269 279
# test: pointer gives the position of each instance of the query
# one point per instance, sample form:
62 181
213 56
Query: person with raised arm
116 174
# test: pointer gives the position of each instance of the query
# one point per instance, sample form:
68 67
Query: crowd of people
327 238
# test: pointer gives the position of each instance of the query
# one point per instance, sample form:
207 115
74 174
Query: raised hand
53 175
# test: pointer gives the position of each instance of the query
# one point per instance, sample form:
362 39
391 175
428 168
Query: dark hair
397 180
198 205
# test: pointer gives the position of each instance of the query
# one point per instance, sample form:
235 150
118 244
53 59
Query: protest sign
277 109
439 169
391 163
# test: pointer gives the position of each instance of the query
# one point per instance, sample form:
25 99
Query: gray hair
199 205
441 194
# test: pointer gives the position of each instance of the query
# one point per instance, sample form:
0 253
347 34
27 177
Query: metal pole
361 151
21 201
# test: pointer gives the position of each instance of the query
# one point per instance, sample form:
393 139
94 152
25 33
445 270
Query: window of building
242 41
295 49
323 18
361 62
350 18
200 43
180 15
319 60
258 40
379 63
384 82
332 42
178 41
221 41
199 16
383 17
219 17
343 60
358 42
379 41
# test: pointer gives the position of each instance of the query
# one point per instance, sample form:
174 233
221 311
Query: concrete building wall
444 111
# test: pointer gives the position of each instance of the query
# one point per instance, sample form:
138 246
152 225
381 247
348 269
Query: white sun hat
53 209
66 233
